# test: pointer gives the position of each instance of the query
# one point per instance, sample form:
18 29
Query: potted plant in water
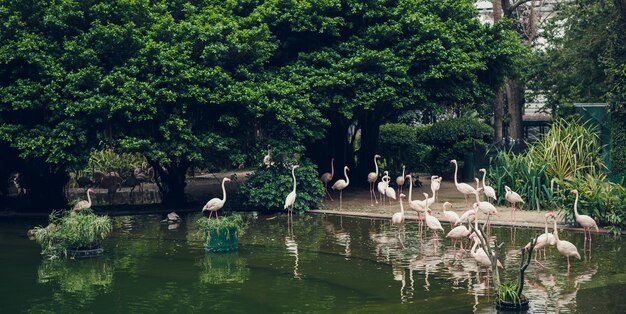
73 234
222 234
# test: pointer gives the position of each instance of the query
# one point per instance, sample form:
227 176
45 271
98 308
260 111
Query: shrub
401 147
452 139
72 230
266 189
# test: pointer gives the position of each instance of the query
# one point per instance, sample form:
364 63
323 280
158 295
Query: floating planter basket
522 305
221 240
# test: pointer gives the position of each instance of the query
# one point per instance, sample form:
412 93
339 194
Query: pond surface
328 264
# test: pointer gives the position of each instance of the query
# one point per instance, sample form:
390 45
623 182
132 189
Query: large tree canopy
207 83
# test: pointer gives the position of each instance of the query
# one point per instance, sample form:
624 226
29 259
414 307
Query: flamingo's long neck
401 206
223 191
345 173
456 169
576 206
484 175
410 189
473 250
477 197
376 165
293 174
444 208
403 171
556 233
332 168
88 198
546 224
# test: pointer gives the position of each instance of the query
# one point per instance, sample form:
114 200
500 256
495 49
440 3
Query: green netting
222 240
598 114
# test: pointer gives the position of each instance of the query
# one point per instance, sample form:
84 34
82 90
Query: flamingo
450 215
459 233
485 207
566 248
415 205
432 222
342 184
585 221
291 197
327 177
216 204
513 198
479 254
545 239
371 178
464 188
390 192
435 184
400 181
267 160
382 187
84 204
398 218
465 216
489 191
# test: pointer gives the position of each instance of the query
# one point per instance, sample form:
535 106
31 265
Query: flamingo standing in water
216 204
84 204
398 218
489 191
342 184
585 221
291 197
371 178
544 240
400 181
513 198
459 233
415 205
566 248
464 188
327 177
433 223
450 215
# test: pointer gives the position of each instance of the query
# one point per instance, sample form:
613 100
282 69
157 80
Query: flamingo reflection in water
292 247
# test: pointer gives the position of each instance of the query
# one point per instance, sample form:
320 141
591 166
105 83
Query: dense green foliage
266 188
72 230
400 145
225 224
565 158
452 139
618 138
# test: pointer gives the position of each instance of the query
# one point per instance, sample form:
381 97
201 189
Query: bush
618 139
72 230
452 139
401 147
265 190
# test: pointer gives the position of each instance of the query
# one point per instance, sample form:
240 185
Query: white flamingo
267 160
383 185
566 248
485 207
415 205
464 218
450 215
371 178
489 191
216 204
459 233
479 254
390 192
464 188
400 181
544 240
291 197
433 223
435 184
398 218
84 204
513 198
585 221
342 184
328 176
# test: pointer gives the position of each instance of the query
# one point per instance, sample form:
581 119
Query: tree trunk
171 182
370 131
498 116
45 190
515 99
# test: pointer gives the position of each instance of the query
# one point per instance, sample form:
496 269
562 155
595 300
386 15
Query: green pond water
324 264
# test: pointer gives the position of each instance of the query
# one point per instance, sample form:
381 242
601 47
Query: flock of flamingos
422 207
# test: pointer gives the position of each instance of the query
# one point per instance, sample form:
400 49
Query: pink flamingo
450 215
342 184
398 218
435 184
464 188
513 198
400 181
84 204
489 191
459 233
545 239
291 197
585 221
371 178
327 177
566 248
216 204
